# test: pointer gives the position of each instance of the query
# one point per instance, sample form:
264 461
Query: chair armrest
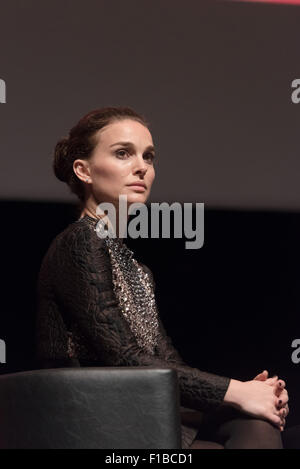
92 407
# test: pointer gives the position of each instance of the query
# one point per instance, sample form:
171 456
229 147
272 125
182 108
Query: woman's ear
81 169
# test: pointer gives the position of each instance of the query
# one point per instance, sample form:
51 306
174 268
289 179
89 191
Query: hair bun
80 142
61 163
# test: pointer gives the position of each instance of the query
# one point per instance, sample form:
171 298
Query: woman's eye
149 156
122 153
118 152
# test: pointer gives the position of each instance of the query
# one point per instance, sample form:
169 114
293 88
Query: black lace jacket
79 319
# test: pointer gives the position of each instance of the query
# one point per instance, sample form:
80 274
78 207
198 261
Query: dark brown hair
80 143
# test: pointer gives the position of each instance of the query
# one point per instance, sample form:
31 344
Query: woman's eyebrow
149 147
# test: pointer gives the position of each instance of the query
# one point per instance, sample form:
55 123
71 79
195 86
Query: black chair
91 407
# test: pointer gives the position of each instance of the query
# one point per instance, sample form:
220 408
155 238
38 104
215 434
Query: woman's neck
92 213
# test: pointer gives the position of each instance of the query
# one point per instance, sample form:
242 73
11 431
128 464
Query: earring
86 180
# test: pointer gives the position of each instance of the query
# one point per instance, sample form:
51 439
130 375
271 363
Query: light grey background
213 78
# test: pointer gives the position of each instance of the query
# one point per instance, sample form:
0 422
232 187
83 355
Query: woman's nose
140 165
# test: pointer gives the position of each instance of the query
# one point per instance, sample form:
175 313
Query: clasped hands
281 394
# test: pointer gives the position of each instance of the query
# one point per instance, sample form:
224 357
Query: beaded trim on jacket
133 289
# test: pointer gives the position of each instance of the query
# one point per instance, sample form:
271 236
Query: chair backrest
109 407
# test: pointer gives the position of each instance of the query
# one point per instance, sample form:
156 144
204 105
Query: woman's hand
258 399
279 391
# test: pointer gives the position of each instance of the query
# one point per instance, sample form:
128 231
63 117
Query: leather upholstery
109 407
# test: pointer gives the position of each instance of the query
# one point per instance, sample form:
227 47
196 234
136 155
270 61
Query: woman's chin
136 198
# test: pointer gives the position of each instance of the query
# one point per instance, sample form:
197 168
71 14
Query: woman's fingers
281 383
275 419
272 381
279 387
278 415
282 412
282 424
283 399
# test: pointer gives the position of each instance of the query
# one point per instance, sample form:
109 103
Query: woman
96 304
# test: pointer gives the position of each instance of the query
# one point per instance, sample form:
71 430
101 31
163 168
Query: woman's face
123 155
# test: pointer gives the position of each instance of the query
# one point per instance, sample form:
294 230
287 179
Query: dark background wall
214 80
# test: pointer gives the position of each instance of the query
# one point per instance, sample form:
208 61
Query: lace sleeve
84 289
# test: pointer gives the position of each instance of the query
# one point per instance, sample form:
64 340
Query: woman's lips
136 187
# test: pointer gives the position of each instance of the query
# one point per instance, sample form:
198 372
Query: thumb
262 376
